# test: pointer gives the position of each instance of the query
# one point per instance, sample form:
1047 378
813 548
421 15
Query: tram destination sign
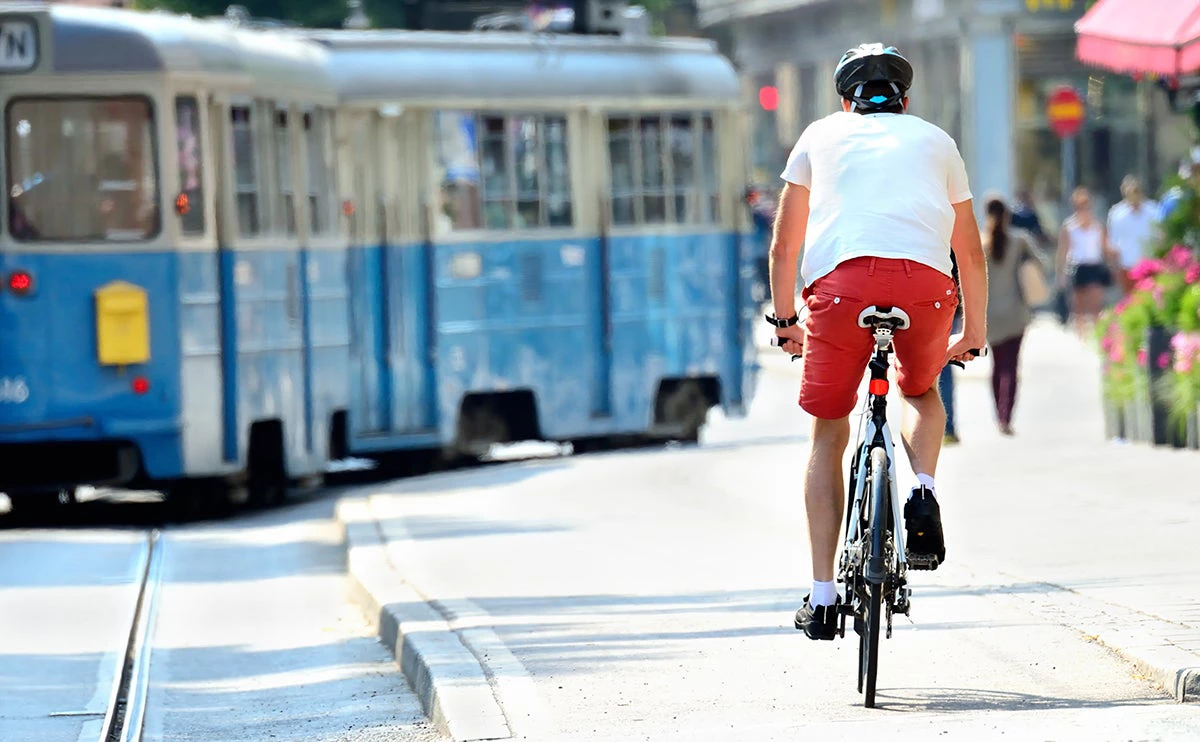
18 44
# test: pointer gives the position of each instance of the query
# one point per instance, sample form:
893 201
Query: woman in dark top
1008 313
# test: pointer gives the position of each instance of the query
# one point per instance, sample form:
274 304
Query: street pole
1068 171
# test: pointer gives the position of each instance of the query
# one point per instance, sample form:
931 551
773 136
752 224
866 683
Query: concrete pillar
989 102
827 100
787 118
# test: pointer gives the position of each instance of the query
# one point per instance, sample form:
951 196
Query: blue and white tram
550 243
174 299
228 255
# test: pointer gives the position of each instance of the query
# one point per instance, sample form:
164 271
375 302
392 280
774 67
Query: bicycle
873 564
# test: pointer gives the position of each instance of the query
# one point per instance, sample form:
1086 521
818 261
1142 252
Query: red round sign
1065 111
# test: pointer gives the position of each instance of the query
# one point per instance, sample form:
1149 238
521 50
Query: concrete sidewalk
497 587
1116 526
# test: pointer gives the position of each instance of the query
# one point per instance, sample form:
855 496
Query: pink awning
1161 36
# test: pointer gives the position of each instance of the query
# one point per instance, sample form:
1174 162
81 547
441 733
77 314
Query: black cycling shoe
924 547
820 622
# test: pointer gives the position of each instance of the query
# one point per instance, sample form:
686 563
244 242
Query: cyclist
878 199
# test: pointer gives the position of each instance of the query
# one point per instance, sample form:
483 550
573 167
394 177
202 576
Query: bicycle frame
874 432
874 563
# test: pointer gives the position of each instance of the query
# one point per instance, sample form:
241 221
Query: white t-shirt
1085 245
882 185
1131 231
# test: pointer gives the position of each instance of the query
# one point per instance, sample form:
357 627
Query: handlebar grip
975 352
777 342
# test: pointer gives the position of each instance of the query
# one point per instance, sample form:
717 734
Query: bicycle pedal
923 561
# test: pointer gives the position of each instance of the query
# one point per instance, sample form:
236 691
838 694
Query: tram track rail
126 711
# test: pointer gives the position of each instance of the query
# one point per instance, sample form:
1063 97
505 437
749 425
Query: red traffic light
768 97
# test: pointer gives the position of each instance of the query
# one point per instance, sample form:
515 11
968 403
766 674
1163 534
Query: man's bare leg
924 428
824 486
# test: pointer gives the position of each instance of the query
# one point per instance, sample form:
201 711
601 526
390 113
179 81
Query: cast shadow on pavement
959 700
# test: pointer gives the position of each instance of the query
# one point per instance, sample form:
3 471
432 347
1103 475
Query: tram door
370 411
593 183
227 302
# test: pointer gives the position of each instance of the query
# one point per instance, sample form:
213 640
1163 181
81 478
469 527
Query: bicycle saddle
893 317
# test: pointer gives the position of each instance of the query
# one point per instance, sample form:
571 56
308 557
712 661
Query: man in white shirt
1132 227
877 199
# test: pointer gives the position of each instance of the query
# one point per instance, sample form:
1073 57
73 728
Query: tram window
621 148
283 169
191 163
498 188
709 183
316 135
654 202
502 171
459 172
82 169
557 187
246 171
527 164
682 149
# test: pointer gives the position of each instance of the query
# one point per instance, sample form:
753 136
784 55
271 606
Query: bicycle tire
880 504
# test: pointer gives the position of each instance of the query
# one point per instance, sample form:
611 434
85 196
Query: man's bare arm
787 242
972 273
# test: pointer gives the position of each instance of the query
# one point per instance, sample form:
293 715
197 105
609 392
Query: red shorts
837 350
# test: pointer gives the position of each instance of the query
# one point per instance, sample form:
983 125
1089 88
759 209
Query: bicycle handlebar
975 352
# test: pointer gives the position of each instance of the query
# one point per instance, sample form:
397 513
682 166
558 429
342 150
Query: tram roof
91 40
383 65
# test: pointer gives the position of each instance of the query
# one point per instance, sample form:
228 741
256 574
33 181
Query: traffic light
768 97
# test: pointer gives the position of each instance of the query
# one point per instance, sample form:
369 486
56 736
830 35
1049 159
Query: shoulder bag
1031 279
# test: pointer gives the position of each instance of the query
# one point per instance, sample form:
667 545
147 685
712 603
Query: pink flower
1147 268
1164 360
1193 273
1141 356
1116 354
1179 257
1146 284
1187 351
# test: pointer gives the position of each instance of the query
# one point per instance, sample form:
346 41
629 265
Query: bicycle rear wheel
869 642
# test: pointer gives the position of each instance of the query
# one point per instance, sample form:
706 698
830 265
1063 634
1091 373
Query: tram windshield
82 169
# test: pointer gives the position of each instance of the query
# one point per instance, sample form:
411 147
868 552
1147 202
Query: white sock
823 593
926 481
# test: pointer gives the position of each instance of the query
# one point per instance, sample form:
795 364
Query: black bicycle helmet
868 63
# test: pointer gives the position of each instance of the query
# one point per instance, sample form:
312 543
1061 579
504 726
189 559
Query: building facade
984 70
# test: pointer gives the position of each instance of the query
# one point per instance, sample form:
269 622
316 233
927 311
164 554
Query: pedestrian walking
1025 217
1132 227
1008 312
1083 259
762 216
